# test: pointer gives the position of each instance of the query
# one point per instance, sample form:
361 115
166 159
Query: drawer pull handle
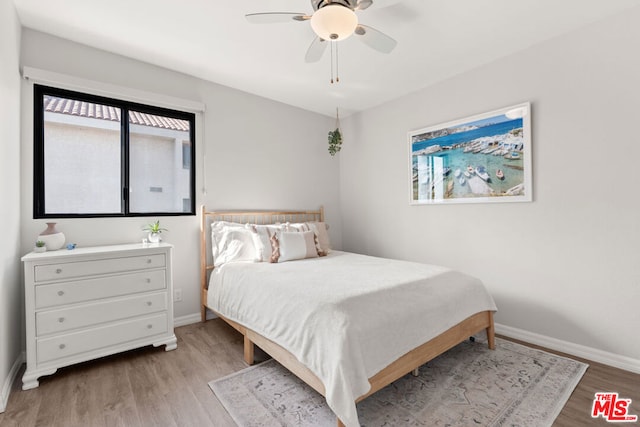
61 319
149 303
149 326
58 270
62 346
148 280
60 293
149 261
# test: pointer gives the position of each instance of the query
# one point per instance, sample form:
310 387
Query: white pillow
294 245
233 244
217 231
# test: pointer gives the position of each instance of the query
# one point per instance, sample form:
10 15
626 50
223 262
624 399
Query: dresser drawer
59 347
103 287
55 321
60 271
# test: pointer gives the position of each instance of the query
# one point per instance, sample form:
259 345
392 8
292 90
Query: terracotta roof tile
105 112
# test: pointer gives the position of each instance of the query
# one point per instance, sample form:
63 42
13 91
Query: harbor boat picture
476 149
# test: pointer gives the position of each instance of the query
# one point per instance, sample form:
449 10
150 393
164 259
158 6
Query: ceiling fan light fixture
334 22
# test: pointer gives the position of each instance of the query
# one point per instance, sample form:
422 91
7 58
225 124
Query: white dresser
86 303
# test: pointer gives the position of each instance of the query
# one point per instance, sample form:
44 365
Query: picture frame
485 158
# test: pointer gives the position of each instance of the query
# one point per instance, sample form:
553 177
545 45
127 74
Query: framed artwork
480 159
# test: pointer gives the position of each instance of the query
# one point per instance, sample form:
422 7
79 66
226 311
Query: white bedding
346 316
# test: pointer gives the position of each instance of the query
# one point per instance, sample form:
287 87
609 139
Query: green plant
154 227
335 141
40 244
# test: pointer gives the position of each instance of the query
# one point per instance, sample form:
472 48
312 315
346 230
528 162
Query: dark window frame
39 92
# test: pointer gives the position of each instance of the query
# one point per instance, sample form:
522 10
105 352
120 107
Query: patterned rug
468 385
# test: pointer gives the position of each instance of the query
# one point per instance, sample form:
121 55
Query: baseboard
594 354
186 320
192 318
8 382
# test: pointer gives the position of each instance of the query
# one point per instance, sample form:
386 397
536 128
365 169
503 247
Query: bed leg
248 351
203 313
491 333
416 372
339 423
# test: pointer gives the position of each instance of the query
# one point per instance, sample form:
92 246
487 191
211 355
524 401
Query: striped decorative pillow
262 239
289 246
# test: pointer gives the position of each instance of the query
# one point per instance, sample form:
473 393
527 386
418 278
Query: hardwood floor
151 387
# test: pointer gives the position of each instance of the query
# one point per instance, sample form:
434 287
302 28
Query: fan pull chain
331 52
337 76
334 57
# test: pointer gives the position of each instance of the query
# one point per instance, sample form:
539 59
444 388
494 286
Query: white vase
39 249
154 237
52 238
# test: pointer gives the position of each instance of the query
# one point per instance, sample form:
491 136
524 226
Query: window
99 157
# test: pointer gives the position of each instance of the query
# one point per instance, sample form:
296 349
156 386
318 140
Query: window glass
81 157
159 180
96 156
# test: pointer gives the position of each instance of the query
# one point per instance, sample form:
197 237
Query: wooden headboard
242 217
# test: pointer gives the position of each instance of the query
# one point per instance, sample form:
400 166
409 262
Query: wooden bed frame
410 362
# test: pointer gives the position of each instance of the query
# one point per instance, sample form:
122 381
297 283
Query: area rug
512 385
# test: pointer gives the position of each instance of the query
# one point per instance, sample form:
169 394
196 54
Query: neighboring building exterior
83 155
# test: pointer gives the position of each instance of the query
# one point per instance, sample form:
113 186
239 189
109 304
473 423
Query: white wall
259 154
10 285
565 266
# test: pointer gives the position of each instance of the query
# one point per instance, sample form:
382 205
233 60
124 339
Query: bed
346 324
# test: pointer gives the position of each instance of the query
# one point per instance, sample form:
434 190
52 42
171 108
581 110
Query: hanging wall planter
335 137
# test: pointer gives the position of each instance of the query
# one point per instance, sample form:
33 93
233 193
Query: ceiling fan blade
363 4
275 17
375 39
316 49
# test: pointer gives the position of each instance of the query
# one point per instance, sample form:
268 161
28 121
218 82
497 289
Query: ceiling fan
332 20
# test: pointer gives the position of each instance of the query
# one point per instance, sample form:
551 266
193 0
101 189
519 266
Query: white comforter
346 316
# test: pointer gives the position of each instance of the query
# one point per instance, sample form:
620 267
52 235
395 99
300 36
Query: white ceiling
212 40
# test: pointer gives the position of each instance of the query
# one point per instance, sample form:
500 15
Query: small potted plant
40 247
154 231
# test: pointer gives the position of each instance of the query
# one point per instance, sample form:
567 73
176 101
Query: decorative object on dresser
93 302
52 238
154 231
40 247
